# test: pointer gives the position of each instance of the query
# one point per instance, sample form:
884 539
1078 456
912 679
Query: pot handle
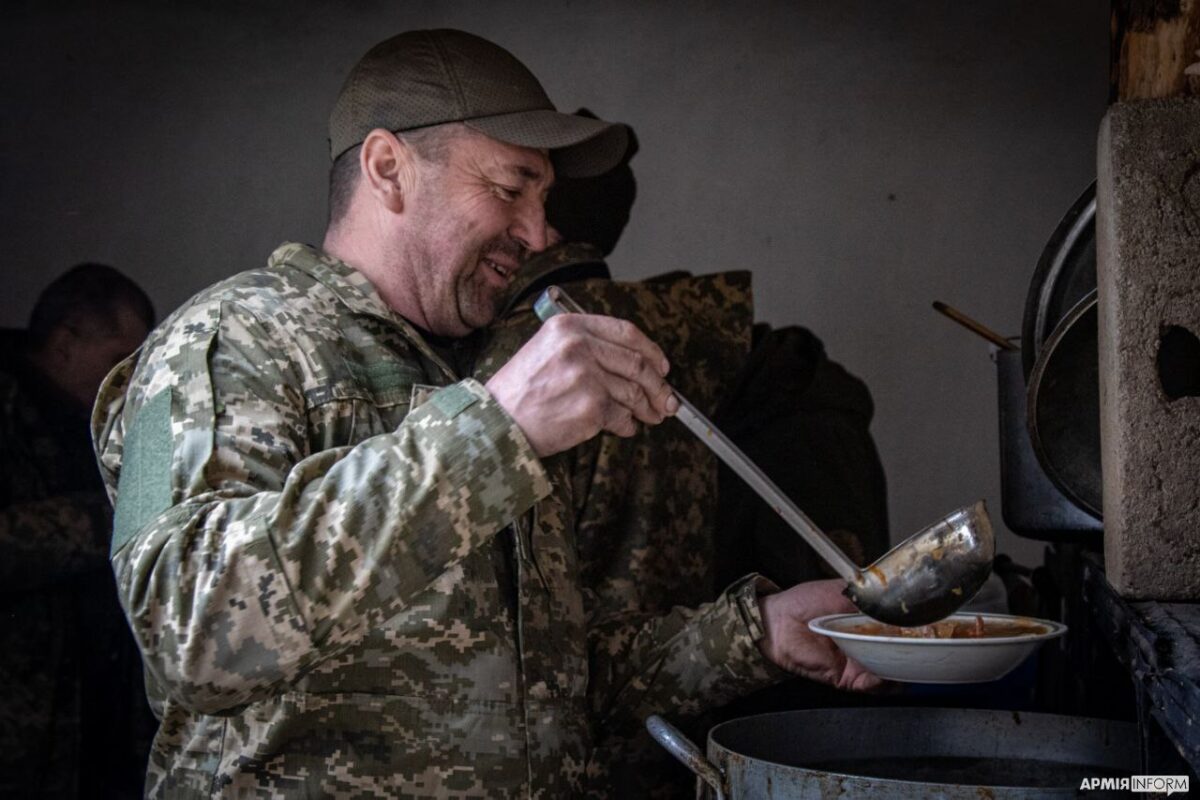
686 752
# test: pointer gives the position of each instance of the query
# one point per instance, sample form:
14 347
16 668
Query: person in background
73 715
662 525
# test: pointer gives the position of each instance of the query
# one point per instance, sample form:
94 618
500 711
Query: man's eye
507 192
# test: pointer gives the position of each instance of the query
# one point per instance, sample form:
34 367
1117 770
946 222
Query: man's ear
388 168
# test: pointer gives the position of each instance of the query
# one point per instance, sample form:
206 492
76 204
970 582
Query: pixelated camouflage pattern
54 521
647 505
351 596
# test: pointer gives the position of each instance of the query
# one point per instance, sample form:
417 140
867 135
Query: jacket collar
352 289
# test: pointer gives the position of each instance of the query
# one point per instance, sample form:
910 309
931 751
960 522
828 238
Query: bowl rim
1054 630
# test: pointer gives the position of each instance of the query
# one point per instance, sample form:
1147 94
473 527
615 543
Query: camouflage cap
418 79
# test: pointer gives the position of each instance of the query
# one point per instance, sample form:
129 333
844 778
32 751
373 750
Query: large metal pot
904 752
1031 503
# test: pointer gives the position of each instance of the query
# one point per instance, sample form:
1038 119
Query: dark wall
863 158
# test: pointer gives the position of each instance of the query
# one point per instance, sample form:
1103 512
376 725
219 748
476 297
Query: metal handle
686 752
554 301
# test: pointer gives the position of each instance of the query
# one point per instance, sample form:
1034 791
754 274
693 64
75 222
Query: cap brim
579 147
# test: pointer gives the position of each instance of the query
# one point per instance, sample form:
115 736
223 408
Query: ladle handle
748 471
555 301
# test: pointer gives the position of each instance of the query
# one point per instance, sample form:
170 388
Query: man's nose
529 227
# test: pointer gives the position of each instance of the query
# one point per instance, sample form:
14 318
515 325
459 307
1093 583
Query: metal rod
975 327
748 471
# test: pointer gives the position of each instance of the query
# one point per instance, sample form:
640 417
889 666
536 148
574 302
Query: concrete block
1148 271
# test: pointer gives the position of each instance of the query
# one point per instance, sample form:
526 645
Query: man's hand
581 374
791 645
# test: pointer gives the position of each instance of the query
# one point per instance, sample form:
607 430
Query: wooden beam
1154 42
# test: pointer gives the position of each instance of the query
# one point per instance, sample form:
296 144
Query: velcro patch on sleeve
453 400
144 488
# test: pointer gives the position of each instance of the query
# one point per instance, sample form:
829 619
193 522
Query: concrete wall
862 158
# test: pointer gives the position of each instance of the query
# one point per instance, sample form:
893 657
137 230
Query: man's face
92 348
477 218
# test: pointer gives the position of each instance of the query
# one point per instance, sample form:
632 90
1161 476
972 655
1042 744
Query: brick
1148 271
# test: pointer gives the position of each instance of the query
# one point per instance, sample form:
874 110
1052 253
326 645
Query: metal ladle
923 579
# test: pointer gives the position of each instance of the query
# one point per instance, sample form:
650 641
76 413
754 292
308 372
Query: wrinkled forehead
526 164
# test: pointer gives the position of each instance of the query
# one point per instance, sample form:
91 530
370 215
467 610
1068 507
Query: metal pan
1065 273
1064 407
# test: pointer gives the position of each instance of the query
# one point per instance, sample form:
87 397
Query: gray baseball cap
418 79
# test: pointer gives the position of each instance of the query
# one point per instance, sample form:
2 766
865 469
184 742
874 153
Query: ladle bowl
931 574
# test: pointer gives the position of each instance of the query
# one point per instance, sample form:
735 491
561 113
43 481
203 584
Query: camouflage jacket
308 501
54 524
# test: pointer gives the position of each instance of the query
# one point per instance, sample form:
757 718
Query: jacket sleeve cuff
744 595
716 658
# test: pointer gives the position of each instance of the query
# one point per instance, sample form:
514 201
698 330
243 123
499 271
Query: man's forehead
514 161
540 172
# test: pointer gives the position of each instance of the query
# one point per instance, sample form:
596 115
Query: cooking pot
1032 505
904 752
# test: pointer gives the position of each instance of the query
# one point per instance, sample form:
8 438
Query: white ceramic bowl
912 660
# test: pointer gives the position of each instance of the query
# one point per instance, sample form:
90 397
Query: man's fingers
626 334
619 348
619 420
860 679
581 374
630 397
642 388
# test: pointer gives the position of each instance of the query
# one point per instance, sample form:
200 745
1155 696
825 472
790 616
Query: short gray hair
431 144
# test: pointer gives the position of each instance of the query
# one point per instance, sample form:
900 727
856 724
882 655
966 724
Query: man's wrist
748 595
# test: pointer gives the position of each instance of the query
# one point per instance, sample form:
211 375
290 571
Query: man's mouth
503 270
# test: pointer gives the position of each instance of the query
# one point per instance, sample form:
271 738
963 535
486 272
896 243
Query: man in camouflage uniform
70 688
352 571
